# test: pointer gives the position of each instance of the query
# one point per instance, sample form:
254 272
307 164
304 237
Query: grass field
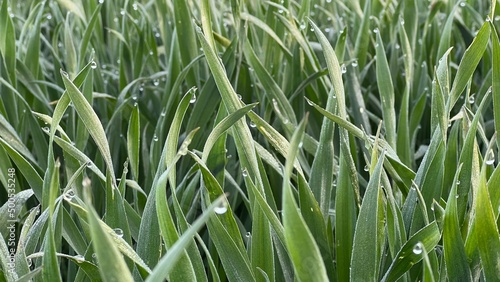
253 140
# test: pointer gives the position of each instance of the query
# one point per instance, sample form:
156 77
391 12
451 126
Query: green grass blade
487 231
166 264
496 80
386 92
301 246
134 141
453 245
322 167
222 126
366 250
469 62
112 266
91 121
411 252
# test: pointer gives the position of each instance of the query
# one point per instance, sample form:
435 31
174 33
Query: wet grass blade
301 246
469 62
166 264
386 91
112 266
453 245
91 121
411 252
368 238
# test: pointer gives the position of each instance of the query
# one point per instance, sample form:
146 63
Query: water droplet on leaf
343 68
118 232
221 208
69 195
418 248
79 258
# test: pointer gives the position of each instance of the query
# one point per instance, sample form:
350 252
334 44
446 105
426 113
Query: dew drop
490 157
79 258
157 34
101 1
156 82
462 4
471 99
94 258
252 124
418 248
134 6
122 12
248 235
86 182
163 113
65 74
456 196
458 182
366 168
239 96
301 144
93 65
302 26
343 68
375 30
193 99
312 28
221 208
244 172
118 232
354 63
46 129
29 262
134 98
69 195
280 11
155 138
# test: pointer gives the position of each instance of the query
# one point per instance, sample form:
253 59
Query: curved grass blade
411 252
322 167
222 126
469 62
166 264
496 80
91 121
487 234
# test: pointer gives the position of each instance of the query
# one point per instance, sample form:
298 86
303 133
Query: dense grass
249 140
